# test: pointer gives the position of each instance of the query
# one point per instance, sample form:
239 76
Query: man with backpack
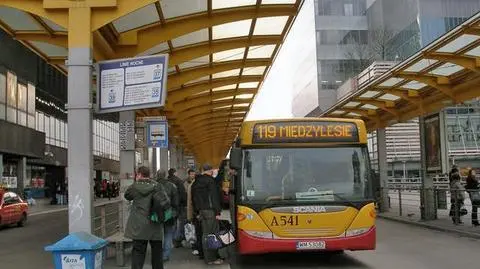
141 227
169 224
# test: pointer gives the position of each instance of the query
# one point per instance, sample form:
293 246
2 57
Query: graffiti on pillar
76 209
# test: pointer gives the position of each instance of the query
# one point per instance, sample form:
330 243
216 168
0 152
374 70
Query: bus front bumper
248 244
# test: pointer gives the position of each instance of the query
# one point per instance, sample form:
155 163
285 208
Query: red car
13 210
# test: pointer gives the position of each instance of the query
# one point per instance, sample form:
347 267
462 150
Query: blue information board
157 134
130 84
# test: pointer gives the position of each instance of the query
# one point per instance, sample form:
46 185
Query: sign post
125 85
157 133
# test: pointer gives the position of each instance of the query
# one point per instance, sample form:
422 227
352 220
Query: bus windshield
306 174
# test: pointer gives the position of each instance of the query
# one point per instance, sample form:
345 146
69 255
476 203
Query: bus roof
303 132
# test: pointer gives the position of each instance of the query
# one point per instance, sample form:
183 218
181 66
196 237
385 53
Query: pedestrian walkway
43 206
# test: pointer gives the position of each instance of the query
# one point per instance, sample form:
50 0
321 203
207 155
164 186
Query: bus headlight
260 234
355 232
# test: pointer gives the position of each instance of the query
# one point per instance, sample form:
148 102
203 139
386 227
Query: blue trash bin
79 251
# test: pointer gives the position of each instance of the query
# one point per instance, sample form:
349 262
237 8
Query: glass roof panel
18 20
368 106
270 25
446 69
171 70
261 51
353 114
202 92
414 85
242 105
458 43
420 65
352 104
232 29
224 88
244 96
247 85
190 38
239 112
338 112
138 18
474 52
198 80
388 97
390 82
254 71
49 49
195 62
162 47
176 8
229 55
229 73
217 4
369 94
278 2
55 27
224 98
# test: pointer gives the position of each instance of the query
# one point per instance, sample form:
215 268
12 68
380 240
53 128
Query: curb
47 212
432 227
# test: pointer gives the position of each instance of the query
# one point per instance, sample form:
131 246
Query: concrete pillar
127 161
163 159
427 195
173 156
382 168
21 175
80 152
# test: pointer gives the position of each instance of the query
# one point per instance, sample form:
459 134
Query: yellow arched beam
182 93
207 109
221 117
221 113
213 123
208 140
212 96
187 106
216 130
140 40
59 17
59 39
178 79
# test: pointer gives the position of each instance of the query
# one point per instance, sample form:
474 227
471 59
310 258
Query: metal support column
382 168
163 159
80 157
21 175
427 195
127 160
153 161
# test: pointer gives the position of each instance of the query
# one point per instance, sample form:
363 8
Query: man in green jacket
139 226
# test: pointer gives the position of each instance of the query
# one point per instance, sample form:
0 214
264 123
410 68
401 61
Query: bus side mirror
236 159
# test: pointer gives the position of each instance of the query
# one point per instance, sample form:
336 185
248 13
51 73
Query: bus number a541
284 220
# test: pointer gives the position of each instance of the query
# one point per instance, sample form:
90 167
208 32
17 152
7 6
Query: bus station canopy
220 52
444 73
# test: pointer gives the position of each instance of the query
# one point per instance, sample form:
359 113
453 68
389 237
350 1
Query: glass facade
341 7
18 105
463 129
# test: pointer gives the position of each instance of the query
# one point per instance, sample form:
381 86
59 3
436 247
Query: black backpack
160 209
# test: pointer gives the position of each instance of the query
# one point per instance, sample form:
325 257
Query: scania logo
309 209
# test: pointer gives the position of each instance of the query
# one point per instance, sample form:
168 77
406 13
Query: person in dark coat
139 226
169 226
207 208
179 234
473 189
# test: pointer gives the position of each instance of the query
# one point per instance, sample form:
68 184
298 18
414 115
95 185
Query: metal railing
107 218
405 201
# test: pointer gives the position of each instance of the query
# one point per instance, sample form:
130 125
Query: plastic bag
190 235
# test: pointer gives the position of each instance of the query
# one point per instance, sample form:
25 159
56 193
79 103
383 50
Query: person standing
169 226
196 247
207 208
182 208
473 191
140 228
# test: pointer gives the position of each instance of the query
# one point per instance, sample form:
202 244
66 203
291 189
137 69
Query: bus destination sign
305 132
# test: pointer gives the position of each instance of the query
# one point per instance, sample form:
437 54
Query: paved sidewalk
43 206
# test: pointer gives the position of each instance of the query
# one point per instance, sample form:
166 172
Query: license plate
311 245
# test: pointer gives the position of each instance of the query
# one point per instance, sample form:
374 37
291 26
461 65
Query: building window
22 104
348 9
11 97
341 7
31 106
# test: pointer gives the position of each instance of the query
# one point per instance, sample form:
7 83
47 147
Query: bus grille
328 231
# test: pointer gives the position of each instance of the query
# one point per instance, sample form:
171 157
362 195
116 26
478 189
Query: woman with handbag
474 193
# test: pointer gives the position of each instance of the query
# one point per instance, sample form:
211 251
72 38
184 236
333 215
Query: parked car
13 210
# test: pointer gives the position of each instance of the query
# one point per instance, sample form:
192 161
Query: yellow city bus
302 185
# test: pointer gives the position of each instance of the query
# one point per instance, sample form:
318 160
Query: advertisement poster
433 149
